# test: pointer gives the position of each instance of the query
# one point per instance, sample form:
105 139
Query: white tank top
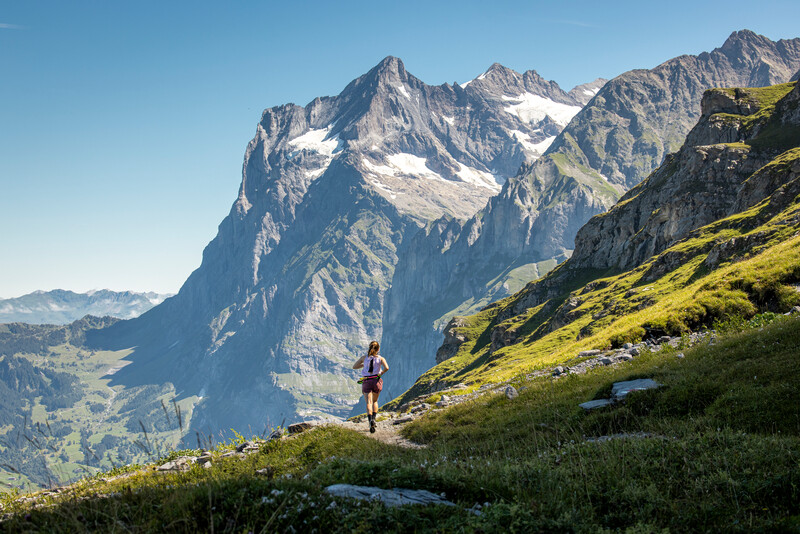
376 365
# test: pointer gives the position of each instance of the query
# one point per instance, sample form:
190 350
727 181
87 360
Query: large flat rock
389 497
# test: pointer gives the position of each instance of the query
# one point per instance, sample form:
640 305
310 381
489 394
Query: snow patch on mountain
479 178
412 165
316 141
383 187
403 91
532 108
536 148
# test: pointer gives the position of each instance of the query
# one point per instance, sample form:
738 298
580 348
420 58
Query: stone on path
511 392
182 463
389 497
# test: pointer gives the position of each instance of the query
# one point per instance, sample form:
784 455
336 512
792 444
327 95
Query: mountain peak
498 72
738 39
498 68
389 67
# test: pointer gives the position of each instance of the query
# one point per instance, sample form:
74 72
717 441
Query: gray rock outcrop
712 176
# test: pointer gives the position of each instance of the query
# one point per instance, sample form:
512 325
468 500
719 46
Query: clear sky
123 124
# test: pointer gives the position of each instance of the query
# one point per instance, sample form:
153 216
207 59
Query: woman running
372 366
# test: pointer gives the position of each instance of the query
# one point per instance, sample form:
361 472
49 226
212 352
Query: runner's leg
375 402
368 396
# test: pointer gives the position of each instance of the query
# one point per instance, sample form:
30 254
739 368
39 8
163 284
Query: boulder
389 497
511 393
420 407
621 389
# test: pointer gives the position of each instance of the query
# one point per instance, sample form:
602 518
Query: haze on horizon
124 126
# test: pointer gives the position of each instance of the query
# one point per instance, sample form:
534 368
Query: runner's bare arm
385 365
359 363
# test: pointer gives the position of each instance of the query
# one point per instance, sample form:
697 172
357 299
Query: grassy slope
722 454
608 312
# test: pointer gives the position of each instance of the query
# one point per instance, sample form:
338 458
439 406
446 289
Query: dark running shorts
372 385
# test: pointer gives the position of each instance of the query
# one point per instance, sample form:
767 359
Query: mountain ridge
61 306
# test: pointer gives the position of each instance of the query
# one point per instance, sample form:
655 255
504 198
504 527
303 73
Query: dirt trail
385 432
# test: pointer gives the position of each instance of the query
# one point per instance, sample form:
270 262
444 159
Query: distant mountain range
63 307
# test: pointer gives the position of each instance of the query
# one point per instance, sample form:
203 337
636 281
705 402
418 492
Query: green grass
722 455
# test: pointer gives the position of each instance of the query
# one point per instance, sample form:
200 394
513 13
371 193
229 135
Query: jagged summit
741 38
389 70
506 82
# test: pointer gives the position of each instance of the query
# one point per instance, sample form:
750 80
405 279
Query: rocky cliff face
293 287
712 176
612 144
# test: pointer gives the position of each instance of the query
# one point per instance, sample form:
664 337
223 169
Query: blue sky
123 124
